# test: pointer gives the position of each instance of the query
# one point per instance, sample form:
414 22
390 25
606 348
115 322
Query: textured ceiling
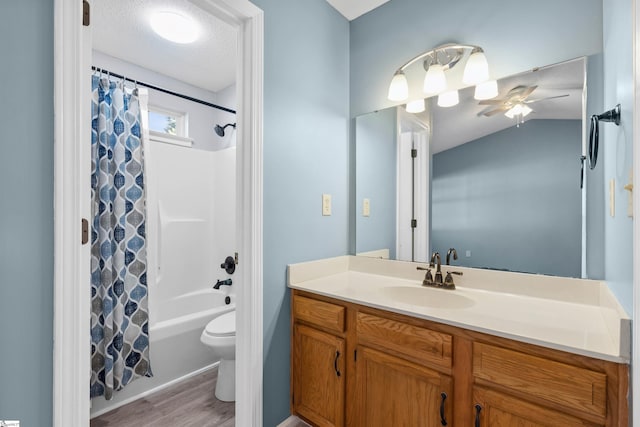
121 29
351 9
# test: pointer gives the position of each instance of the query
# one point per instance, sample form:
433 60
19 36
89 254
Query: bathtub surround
119 296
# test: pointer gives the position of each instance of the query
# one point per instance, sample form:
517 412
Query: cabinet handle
478 409
335 363
443 420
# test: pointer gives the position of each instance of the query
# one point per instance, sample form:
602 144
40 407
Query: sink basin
427 297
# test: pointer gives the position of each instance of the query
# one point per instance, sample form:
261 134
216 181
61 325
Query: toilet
220 336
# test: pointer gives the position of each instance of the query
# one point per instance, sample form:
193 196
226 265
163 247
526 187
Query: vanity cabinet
359 366
393 391
318 353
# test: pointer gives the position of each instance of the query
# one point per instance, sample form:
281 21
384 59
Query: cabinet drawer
556 382
420 344
320 313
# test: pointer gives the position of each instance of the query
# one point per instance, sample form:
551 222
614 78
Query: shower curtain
119 298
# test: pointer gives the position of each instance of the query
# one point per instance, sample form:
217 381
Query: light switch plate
366 207
326 204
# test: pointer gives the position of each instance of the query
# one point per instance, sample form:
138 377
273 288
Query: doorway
71 326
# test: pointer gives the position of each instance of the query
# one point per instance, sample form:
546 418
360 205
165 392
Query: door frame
71 349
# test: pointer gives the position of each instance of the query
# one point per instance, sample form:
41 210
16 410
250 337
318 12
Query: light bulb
477 69
416 106
435 81
399 88
448 99
174 27
486 90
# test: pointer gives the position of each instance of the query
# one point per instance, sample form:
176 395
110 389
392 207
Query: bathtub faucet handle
229 265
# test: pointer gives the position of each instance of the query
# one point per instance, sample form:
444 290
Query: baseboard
156 389
293 421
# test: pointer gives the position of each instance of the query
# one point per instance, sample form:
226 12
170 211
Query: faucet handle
448 280
428 278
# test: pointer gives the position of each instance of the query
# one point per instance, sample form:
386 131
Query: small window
167 122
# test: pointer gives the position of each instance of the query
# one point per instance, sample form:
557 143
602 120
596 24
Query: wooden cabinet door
495 409
318 376
394 392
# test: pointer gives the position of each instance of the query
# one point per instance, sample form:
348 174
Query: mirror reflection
498 180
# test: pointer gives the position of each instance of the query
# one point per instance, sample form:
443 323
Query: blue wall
306 134
512 199
617 147
26 212
376 153
516 36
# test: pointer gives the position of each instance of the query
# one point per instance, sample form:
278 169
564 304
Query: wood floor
188 404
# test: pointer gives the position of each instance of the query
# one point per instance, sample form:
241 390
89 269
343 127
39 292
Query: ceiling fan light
416 106
486 90
477 69
448 99
435 80
399 88
526 110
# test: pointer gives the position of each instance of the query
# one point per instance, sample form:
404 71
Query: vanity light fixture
174 27
399 88
416 106
448 99
477 69
486 90
436 62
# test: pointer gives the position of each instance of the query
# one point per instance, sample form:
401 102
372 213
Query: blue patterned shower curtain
119 309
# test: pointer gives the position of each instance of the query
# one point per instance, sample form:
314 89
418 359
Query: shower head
220 129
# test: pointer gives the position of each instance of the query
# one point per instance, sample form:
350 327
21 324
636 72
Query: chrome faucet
449 252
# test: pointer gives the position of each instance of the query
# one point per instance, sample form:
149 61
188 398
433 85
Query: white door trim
635 356
71 352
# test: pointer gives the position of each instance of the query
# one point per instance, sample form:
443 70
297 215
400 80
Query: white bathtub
187 312
175 349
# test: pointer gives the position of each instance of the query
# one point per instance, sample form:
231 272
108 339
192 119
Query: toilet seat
222 326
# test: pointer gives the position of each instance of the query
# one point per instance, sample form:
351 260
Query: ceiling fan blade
527 91
531 101
493 101
492 112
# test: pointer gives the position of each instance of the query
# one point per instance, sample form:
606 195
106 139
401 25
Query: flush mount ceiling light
436 62
174 27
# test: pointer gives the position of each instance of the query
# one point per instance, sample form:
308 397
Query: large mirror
505 190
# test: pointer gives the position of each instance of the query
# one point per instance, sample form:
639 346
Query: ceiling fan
514 104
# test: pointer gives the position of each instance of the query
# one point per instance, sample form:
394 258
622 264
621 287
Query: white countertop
573 315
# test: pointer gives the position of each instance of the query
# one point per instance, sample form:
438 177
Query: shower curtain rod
159 89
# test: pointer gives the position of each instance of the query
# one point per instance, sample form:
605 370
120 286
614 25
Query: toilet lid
223 325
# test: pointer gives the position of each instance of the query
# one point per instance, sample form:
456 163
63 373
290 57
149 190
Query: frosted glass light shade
486 90
518 109
477 69
174 27
435 81
416 106
399 88
448 99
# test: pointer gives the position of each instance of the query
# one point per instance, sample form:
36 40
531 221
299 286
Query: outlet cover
366 208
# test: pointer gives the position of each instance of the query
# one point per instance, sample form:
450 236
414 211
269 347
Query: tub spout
219 283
